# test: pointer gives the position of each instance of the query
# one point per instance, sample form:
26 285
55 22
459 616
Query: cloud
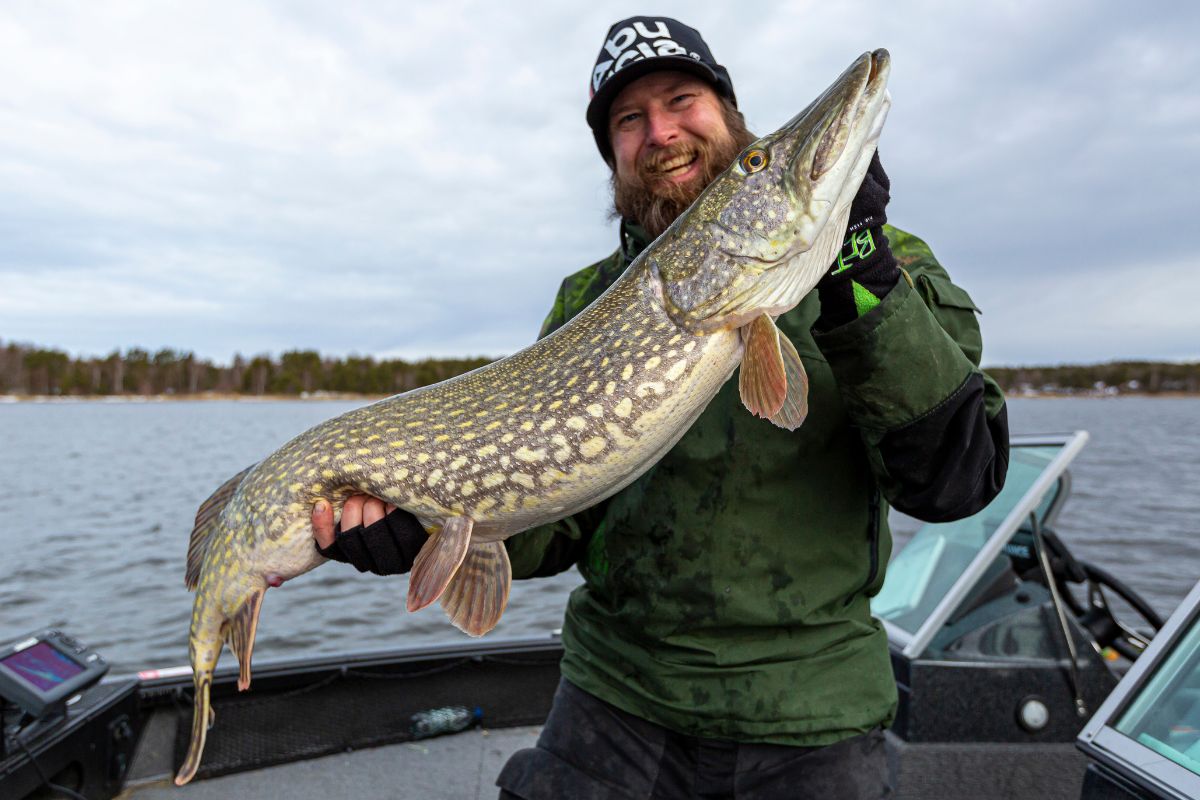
417 180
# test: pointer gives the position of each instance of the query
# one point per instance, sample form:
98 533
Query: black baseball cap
638 46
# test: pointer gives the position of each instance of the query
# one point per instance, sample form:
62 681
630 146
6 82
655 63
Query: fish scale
569 420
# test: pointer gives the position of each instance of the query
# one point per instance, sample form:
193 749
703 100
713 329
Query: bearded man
722 643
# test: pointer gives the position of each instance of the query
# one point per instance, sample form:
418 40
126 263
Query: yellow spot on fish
487 450
379 461
414 424
422 458
549 423
491 426
527 425
576 423
352 467
295 487
623 408
397 443
690 346
676 369
610 387
506 438
653 362
574 380
592 386
434 477
458 462
468 489
484 505
493 479
378 477
523 479
596 410
525 454
327 473
400 474
627 372
555 405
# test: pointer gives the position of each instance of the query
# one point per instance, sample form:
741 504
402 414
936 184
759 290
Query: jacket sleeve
934 425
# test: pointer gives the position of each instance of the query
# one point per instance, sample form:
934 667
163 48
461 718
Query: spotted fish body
569 420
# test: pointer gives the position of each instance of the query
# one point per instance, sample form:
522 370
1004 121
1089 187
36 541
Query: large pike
569 420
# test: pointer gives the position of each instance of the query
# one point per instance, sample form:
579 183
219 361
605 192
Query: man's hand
865 270
373 536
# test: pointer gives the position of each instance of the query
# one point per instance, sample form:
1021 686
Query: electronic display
42 666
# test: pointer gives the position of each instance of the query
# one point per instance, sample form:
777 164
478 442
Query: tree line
1115 377
30 370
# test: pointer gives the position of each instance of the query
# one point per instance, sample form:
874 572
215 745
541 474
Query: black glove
865 270
388 546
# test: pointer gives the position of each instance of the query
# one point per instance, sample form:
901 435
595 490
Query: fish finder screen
42 666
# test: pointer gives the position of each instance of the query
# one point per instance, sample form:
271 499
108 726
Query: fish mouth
859 97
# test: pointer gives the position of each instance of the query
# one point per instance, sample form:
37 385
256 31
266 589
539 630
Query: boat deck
464 765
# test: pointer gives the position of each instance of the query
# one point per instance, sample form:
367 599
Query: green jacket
726 592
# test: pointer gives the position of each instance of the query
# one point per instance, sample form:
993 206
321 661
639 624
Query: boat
1003 645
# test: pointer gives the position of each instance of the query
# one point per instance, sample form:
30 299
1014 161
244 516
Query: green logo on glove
857 247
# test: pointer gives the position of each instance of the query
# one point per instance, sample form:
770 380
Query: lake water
99 498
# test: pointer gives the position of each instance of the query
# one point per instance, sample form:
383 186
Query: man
722 643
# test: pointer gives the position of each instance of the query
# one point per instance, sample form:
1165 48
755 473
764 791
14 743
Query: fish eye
754 160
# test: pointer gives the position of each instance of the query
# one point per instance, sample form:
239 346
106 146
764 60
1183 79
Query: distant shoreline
343 397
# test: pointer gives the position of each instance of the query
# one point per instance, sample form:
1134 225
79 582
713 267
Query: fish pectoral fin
795 403
438 560
242 627
762 378
477 594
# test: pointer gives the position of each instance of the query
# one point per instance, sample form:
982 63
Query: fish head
762 234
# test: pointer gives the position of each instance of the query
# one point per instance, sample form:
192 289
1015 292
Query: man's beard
653 201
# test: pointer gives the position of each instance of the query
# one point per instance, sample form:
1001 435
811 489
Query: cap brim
597 110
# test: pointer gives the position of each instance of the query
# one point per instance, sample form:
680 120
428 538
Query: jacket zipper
872 546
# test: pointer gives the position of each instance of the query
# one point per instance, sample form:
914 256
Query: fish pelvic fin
772 380
478 592
792 413
202 720
438 560
239 633
762 378
207 523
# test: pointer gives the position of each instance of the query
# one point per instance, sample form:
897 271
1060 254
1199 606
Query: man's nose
661 128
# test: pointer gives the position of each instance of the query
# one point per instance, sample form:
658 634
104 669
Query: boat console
998 662
59 726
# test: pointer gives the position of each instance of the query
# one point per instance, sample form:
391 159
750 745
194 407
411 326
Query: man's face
670 138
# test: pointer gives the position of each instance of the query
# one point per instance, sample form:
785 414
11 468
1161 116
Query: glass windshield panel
920 575
1165 715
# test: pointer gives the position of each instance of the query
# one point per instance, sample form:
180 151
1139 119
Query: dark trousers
590 750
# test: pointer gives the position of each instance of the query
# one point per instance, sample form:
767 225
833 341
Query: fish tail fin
207 523
478 592
202 720
240 631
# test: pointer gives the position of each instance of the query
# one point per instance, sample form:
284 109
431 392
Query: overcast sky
401 179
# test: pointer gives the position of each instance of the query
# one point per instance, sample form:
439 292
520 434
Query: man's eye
625 119
682 98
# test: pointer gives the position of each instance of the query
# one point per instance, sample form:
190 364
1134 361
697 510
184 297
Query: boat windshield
1165 715
938 567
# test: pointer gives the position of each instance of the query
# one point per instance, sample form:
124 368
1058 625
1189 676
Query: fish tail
204 648
202 720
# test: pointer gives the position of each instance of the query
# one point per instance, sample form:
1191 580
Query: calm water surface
99 498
